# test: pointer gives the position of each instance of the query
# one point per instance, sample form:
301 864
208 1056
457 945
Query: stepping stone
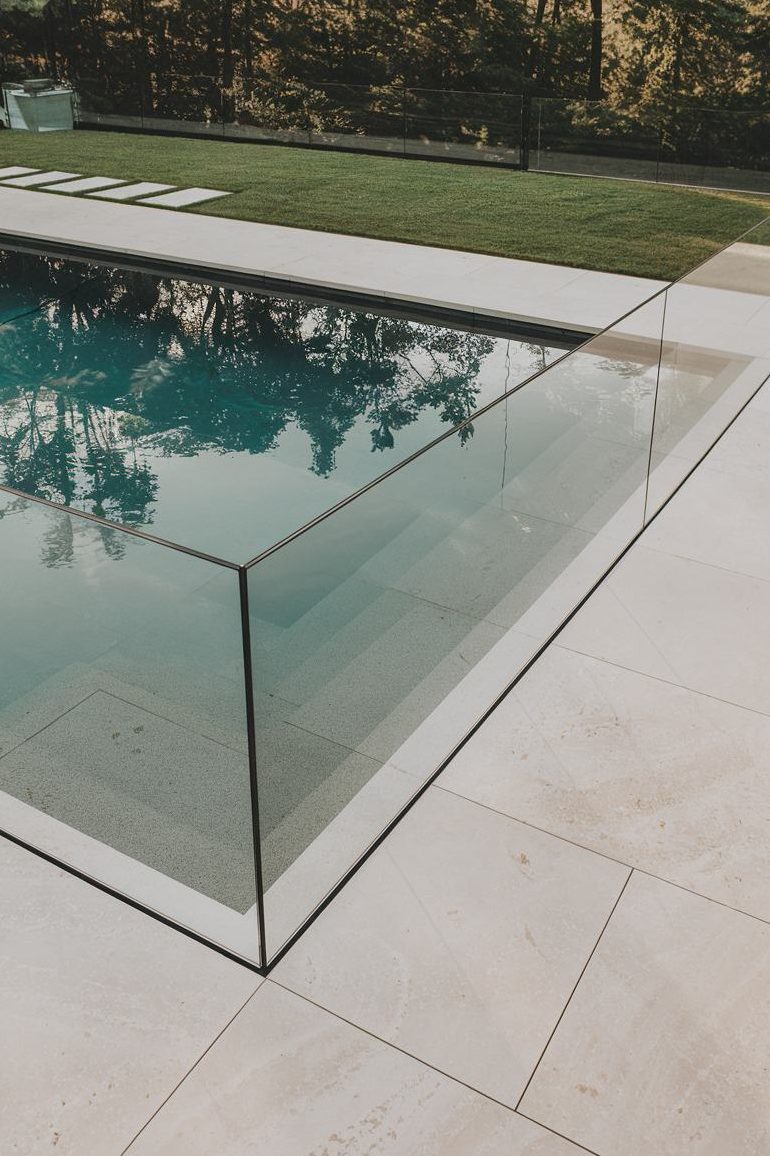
39 179
183 197
84 184
16 171
128 192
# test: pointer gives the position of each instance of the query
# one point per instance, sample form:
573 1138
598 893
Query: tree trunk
595 77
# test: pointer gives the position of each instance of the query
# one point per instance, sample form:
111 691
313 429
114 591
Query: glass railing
223 741
677 144
710 148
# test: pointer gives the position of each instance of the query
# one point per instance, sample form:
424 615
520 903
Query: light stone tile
650 774
34 178
709 627
15 171
128 192
733 536
182 197
743 449
289 1079
103 1010
84 185
663 1049
459 941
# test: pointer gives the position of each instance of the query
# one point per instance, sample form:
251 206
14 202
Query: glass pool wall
222 743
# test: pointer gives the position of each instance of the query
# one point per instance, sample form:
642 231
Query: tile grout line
702 561
192 1068
575 1143
659 678
50 723
603 855
574 989
411 1055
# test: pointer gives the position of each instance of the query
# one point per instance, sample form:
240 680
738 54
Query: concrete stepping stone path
15 171
184 197
40 179
84 185
108 188
128 192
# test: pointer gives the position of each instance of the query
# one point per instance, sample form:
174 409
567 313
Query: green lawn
619 226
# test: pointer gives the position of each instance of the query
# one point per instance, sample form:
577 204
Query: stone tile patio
563 947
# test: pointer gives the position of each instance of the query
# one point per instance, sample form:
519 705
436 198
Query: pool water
219 419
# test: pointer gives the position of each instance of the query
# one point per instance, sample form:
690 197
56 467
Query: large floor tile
660 777
663 1049
459 940
289 1079
743 449
103 1011
734 536
699 625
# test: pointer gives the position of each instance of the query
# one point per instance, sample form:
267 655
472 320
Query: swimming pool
219 419
267 560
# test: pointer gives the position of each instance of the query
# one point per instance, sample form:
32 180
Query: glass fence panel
463 125
185 104
123 742
715 355
712 147
101 103
382 634
349 116
591 138
255 110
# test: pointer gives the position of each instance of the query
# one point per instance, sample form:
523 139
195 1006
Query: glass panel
730 149
186 104
255 110
349 116
383 633
122 717
463 125
221 419
590 137
715 355
104 101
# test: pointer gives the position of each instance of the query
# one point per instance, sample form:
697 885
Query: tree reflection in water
116 367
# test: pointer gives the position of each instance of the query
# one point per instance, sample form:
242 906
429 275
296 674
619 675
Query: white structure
38 106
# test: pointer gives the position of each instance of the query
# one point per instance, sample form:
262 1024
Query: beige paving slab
128 192
103 1011
182 197
662 778
701 626
663 1049
15 171
357 264
734 536
744 448
84 185
42 178
289 1079
459 941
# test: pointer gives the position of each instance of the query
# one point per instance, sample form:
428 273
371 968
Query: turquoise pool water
219 419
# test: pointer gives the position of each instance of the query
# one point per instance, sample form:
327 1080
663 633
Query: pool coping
447 283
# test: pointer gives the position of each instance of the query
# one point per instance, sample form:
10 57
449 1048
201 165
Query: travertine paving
563 948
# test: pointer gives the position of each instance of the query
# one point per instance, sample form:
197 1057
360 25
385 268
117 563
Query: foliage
653 51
